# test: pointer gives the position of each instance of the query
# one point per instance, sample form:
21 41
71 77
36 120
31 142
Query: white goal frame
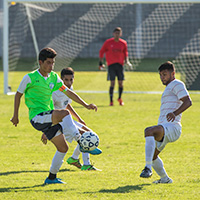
6 23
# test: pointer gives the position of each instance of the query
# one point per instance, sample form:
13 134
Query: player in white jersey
63 102
175 99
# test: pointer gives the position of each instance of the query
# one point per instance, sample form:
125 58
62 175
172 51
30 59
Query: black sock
51 176
111 93
120 92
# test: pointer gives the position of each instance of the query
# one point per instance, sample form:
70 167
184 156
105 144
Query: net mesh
155 33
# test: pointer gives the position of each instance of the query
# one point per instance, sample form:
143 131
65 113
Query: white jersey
60 100
170 101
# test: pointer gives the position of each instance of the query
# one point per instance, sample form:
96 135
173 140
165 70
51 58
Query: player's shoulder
122 40
57 93
109 40
177 82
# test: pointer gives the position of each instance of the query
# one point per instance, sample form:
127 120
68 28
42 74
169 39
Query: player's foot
163 180
121 103
146 173
54 181
89 168
75 162
96 151
111 103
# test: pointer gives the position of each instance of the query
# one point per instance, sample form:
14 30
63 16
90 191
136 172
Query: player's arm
101 56
187 102
75 97
75 114
15 119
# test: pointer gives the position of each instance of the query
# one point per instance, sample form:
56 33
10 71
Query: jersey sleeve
22 86
103 50
59 84
180 90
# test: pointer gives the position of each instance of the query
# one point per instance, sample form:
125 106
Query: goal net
155 33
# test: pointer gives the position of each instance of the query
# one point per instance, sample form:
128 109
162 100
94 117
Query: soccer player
61 101
115 50
175 99
38 87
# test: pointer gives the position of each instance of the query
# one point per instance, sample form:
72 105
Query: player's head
117 33
167 72
47 53
47 60
67 75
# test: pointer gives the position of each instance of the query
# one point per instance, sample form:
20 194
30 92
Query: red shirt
116 52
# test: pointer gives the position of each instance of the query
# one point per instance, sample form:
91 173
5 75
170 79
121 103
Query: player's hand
130 66
101 66
44 139
92 106
15 120
171 117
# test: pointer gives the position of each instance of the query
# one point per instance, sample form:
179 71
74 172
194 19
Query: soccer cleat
89 168
111 103
54 181
121 103
146 173
168 180
96 151
75 162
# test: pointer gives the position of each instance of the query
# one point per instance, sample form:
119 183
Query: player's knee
63 149
148 132
64 113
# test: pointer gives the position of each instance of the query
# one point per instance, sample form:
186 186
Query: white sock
57 162
86 158
149 150
76 152
69 126
159 168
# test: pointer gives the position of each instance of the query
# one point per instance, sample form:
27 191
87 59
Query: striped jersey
170 101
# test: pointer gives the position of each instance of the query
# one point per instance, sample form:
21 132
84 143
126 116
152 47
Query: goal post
153 30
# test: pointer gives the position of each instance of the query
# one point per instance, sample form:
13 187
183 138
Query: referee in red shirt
115 50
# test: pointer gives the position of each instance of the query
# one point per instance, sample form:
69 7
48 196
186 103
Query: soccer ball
89 141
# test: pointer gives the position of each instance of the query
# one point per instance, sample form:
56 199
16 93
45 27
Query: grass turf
25 161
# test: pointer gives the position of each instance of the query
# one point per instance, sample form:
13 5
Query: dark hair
168 65
67 71
117 29
47 53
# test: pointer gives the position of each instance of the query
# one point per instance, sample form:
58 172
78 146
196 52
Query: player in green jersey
38 87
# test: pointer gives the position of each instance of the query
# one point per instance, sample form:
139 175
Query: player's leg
120 76
62 148
74 159
158 166
151 134
111 77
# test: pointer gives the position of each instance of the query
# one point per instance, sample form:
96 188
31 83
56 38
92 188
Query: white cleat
168 180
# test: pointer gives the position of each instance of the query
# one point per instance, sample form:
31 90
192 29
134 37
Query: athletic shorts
115 70
43 122
171 133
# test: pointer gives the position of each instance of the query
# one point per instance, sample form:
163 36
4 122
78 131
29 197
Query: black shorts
115 70
42 122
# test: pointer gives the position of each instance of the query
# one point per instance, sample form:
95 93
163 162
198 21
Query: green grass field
25 161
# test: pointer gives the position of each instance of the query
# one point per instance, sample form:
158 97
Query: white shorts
171 133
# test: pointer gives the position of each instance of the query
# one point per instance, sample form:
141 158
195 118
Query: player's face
117 35
47 66
166 76
68 80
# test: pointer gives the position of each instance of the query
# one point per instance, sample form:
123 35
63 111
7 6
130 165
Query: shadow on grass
30 171
29 188
123 189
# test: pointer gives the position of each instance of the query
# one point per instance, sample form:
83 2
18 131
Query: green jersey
38 93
